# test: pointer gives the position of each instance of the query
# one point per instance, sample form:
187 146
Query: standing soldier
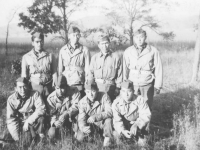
25 110
74 60
130 114
142 65
95 112
106 68
63 105
39 66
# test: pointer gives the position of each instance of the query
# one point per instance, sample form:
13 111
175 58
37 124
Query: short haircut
39 35
140 31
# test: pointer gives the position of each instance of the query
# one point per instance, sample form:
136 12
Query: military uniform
74 64
39 68
144 70
100 109
30 109
127 114
63 107
106 70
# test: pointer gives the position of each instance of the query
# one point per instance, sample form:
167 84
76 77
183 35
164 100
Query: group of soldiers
106 93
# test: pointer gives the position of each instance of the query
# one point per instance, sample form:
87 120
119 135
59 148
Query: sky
180 18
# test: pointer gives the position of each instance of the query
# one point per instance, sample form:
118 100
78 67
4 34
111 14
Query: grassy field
175 115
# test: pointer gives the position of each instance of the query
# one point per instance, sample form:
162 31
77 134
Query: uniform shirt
143 68
63 106
74 63
107 67
136 110
100 109
15 107
39 68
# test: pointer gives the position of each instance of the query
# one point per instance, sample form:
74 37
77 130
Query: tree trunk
131 33
7 34
65 22
196 56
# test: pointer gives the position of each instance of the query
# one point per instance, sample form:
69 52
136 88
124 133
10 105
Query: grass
175 117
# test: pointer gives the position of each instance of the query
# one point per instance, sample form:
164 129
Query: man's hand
86 130
157 91
91 119
25 127
62 118
134 128
126 133
58 124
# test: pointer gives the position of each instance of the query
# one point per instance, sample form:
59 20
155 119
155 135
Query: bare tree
196 56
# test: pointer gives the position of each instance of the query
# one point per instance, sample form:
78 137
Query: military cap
22 80
127 84
139 31
39 35
73 29
90 85
60 81
103 38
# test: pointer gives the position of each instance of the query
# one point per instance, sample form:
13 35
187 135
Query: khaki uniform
74 64
144 70
17 110
101 111
136 111
106 71
62 108
38 68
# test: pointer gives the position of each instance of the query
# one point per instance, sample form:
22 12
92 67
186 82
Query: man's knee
80 136
52 132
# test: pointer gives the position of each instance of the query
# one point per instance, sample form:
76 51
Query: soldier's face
139 39
38 44
104 46
60 91
126 94
91 94
22 89
74 37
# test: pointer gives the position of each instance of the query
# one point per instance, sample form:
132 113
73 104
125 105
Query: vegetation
175 115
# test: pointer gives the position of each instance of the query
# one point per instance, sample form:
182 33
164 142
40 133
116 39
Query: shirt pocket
98 71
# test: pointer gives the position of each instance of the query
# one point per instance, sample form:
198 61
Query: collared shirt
62 106
74 64
143 68
136 110
40 63
100 109
107 67
15 106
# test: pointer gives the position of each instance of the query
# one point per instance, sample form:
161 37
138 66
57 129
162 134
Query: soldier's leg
52 133
107 132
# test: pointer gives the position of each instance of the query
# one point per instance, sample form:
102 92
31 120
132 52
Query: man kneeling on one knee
63 105
130 112
94 113
25 111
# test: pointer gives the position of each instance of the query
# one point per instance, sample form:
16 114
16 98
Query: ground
175 113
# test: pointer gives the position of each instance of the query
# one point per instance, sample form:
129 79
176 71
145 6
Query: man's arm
12 122
108 109
91 70
87 62
144 113
60 63
117 119
24 68
82 116
39 108
119 76
158 71
52 110
125 66
53 68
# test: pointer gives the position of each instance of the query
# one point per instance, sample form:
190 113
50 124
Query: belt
41 78
103 81
74 68
141 71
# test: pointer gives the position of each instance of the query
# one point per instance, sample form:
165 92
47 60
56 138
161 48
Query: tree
196 56
130 13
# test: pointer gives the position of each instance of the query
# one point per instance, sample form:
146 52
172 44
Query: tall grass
175 115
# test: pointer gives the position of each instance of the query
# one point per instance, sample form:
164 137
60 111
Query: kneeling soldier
63 105
25 109
130 113
94 111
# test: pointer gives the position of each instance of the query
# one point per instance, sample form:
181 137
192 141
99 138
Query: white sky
178 17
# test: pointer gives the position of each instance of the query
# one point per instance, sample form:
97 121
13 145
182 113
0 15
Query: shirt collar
71 48
107 54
